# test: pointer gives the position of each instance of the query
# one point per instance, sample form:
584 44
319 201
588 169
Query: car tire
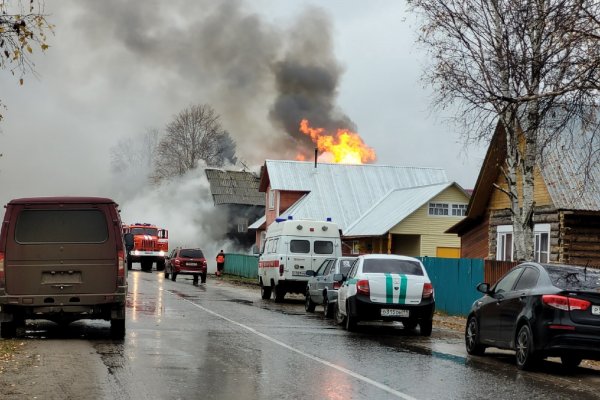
425 327
278 293
472 339
265 291
525 355
338 318
328 308
203 278
173 276
570 362
117 328
351 323
309 305
8 330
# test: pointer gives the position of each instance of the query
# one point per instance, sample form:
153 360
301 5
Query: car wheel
173 276
278 293
309 305
328 308
425 327
265 291
351 322
203 278
525 355
8 330
337 315
569 361
117 328
474 347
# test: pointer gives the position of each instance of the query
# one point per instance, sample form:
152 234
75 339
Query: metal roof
572 184
392 209
345 192
234 187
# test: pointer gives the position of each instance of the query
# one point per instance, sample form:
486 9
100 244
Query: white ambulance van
292 247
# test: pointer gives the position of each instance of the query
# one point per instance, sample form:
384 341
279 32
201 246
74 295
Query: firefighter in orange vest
220 263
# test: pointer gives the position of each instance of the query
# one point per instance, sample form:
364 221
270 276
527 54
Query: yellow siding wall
499 200
432 228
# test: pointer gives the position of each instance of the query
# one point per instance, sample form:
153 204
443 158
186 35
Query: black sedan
539 310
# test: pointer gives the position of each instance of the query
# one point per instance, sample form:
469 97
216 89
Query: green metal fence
241 265
454 281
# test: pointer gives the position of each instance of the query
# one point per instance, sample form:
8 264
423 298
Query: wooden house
379 208
566 214
237 192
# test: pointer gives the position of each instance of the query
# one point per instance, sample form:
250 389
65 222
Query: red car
184 261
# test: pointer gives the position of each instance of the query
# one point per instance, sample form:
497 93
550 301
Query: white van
292 247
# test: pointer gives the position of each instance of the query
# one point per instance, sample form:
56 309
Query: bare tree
23 26
531 65
194 136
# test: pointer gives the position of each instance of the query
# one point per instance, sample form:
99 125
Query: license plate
298 273
191 264
596 310
390 312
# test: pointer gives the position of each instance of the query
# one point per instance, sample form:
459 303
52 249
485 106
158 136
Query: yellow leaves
21 81
29 49
44 46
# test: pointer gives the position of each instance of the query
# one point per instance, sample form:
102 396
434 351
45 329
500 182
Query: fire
345 147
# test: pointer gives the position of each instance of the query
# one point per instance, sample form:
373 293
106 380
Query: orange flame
346 147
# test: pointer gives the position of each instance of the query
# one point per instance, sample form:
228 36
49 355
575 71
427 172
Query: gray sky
117 68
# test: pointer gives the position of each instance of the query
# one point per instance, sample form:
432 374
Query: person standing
220 262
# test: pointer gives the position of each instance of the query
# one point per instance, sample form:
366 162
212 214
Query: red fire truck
149 244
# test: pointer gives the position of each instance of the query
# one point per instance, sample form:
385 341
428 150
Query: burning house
237 191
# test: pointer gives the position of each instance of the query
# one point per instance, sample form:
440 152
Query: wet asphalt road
220 341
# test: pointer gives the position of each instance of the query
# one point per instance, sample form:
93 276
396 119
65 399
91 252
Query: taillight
427 290
565 303
362 287
280 269
337 284
120 267
1 269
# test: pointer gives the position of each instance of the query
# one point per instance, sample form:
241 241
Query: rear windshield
323 247
191 253
61 226
392 266
572 277
145 231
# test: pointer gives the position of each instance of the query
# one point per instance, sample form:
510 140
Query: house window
355 247
242 225
542 243
271 199
504 243
505 247
438 208
459 210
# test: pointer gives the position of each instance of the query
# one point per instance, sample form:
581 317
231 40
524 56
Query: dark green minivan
62 259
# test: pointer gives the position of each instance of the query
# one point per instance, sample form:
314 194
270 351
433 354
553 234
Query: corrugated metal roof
571 185
258 223
345 192
392 209
234 187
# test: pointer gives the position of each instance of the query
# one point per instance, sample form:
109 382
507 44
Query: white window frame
504 231
433 205
355 247
271 199
459 207
539 231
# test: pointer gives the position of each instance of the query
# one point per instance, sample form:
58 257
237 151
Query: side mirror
310 272
484 288
338 278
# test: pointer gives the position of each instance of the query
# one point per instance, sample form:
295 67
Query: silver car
323 285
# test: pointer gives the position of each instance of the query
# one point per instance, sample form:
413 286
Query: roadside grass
237 280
